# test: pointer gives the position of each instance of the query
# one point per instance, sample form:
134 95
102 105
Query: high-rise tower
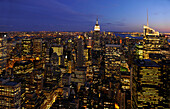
3 51
96 46
96 36
80 49
146 85
151 43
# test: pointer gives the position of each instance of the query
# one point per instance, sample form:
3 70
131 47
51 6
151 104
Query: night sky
80 15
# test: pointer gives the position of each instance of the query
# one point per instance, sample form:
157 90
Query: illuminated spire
147 18
97 22
147 30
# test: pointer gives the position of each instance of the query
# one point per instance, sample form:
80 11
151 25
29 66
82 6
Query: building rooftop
156 56
66 74
146 63
1 79
123 69
11 83
7 82
112 45
23 62
3 35
165 62
81 68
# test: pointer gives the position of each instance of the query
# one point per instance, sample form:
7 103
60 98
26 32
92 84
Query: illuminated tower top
97 26
149 31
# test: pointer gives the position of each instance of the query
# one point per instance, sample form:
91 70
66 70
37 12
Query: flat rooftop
146 63
112 45
7 82
1 79
23 62
81 68
10 83
66 74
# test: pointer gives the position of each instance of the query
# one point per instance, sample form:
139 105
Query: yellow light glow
88 46
37 58
116 106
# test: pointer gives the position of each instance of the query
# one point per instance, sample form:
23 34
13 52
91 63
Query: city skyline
75 15
84 70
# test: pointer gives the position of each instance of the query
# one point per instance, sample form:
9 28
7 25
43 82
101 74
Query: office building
151 41
58 49
146 85
37 47
80 52
165 69
79 76
23 72
139 51
26 48
112 61
3 52
10 94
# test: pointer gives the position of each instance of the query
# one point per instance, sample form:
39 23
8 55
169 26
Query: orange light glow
120 41
116 106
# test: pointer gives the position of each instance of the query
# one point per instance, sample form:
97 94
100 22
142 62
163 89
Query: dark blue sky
80 15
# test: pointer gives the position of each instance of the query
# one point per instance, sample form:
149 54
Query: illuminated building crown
97 26
149 31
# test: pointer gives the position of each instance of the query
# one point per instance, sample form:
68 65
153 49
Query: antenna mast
147 18
97 22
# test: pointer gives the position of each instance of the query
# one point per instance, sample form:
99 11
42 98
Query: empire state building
96 36
97 26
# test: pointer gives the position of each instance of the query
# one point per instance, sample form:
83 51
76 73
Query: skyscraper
80 52
10 94
96 46
112 60
3 51
146 85
151 44
59 50
27 47
37 47
165 69
96 36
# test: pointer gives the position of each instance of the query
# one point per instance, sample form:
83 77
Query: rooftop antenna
147 18
97 22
